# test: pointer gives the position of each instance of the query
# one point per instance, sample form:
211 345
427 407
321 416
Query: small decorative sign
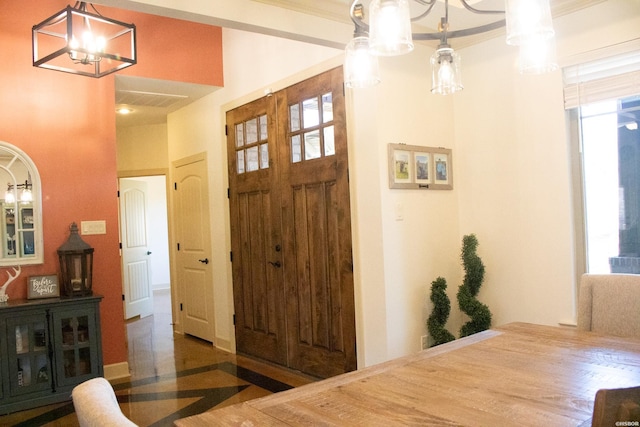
43 287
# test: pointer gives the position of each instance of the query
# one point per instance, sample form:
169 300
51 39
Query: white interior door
195 275
136 265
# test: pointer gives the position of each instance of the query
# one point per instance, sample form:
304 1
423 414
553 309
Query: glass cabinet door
8 231
75 351
28 352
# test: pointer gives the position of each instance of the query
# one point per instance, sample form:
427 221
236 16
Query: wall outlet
424 341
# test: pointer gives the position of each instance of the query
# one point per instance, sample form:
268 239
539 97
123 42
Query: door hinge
226 130
175 185
231 256
118 193
180 306
120 245
178 246
123 297
228 193
234 319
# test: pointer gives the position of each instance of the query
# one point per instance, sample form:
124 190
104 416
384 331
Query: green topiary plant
474 275
440 313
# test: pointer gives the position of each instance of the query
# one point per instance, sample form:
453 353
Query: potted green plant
440 313
474 275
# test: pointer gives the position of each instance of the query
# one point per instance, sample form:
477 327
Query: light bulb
360 66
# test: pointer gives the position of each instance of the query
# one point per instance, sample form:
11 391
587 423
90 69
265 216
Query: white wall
142 147
252 64
514 168
511 178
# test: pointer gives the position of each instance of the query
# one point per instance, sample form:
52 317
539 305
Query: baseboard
222 344
117 371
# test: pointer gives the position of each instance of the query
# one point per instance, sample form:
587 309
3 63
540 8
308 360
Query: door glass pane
327 107
264 156
329 143
296 149
263 128
311 113
294 117
252 131
240 161
312 145
252 159
239 135
611 173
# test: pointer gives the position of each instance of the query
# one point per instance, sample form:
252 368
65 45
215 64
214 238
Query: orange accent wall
66 124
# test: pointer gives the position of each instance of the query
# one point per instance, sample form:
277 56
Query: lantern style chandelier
388 32
78 41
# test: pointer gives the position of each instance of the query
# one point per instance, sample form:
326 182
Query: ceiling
152 100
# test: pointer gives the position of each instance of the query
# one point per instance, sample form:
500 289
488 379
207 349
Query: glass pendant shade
390 27
537 56
360 66
9 196
528 19
445 71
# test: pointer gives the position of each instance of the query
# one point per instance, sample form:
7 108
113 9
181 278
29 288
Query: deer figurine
3 296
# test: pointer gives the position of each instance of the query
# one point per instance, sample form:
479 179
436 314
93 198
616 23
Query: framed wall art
417 167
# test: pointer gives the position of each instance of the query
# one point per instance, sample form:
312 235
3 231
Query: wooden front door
256 243
291 227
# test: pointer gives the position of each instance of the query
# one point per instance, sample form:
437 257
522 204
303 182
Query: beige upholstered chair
615 406
96 405
610 303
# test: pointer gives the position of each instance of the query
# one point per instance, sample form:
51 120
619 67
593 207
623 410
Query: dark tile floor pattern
172 377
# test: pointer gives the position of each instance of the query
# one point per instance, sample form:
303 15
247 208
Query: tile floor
173 376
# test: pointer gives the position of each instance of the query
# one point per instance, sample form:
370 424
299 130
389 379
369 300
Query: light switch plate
93 227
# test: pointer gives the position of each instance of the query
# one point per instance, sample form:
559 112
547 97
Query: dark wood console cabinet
47 347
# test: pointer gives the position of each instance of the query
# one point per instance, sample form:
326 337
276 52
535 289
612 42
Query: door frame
159 172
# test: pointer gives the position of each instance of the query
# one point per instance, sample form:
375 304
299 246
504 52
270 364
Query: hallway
173 376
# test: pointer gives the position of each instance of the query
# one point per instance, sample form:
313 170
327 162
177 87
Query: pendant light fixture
361 67
528 24
390 27
79 40
445 71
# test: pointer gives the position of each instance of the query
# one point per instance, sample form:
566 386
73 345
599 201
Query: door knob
275 264
148 252
204 261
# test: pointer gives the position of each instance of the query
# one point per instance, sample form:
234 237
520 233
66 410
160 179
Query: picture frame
418 167
43 287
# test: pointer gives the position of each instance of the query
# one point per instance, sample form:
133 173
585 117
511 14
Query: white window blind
599 79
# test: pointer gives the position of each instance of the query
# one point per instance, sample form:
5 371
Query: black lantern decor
76 265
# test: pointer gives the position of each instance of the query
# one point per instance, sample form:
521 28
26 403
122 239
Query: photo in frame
43 287
418 167
402 169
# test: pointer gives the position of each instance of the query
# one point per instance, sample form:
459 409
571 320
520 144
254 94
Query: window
610 142
311 134
603 100
252 148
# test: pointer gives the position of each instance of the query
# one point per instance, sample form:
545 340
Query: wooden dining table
518 374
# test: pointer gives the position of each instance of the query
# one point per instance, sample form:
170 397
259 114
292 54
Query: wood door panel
291 231
255 233
317 235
